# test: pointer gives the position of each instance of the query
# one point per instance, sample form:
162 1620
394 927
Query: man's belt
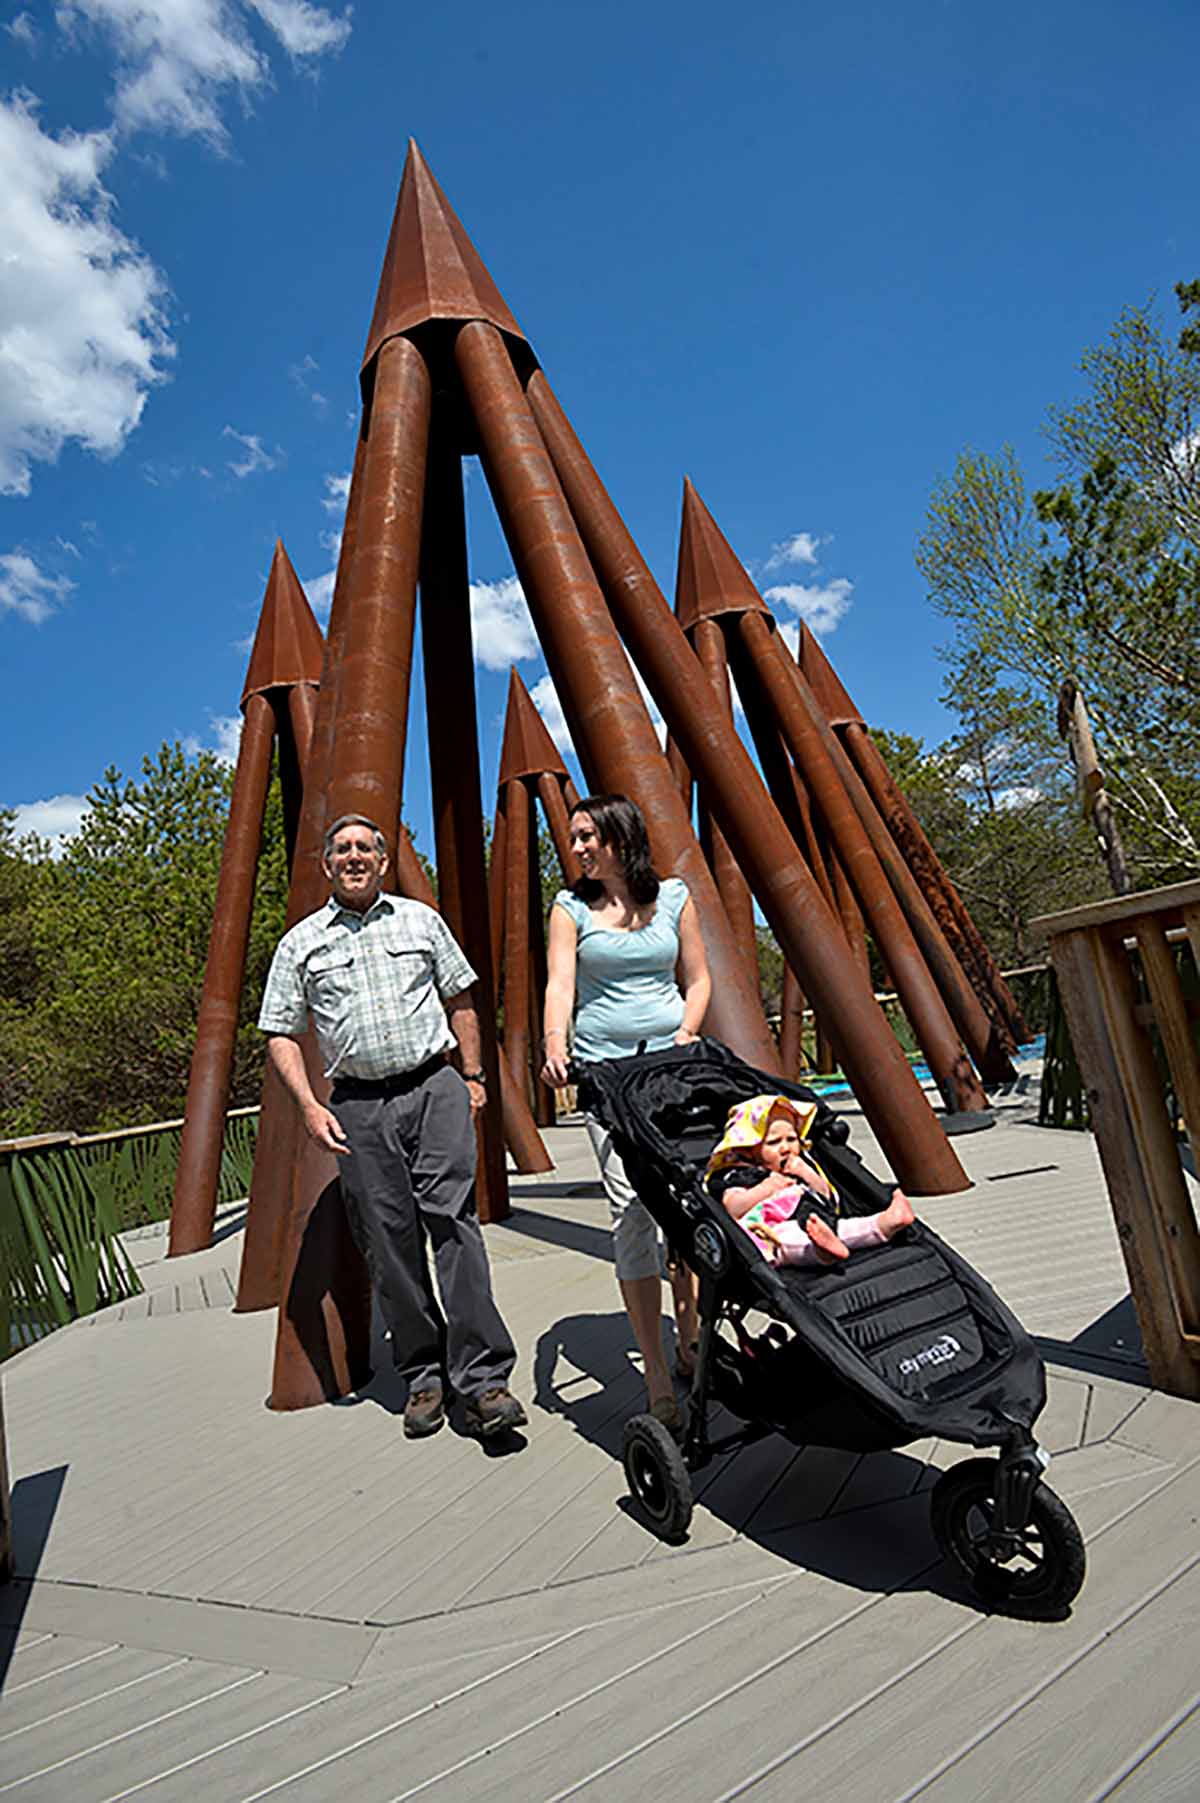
380 1088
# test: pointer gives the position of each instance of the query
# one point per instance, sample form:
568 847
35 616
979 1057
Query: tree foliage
102 951
1096 581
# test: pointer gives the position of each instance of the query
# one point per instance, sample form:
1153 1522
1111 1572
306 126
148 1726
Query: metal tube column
279 1130
930 1021
198 1174
948 906
609 723
322 1346
917 1149
449 665
517 811
708 641
520 1131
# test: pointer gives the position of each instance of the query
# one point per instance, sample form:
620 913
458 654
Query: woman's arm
560 996
694 980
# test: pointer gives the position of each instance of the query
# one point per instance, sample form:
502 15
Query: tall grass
59 1252
64 1204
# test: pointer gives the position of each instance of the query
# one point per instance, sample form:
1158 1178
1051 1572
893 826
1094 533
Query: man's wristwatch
474 1077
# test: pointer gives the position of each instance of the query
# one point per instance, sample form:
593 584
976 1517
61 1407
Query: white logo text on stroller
940 1353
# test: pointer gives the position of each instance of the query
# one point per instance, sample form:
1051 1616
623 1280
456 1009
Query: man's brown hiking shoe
494 1410
424 1413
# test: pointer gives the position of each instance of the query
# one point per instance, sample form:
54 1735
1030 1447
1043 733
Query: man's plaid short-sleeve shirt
373 982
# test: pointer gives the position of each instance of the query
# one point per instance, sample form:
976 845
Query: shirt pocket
408 968
327 977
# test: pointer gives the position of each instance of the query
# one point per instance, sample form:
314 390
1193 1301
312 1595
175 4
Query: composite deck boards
234 1604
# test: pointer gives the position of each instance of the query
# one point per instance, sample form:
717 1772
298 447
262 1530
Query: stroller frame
986 1513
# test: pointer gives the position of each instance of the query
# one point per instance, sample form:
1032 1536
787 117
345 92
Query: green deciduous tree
116 935
1097 581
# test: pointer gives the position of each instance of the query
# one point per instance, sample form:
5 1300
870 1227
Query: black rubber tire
1045 1578
657 1476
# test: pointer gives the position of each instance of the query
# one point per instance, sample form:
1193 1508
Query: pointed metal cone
431 270
710 579
528 749
824 681
288 646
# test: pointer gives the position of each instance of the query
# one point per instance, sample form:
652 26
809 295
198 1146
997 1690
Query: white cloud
1023 796
501 628
801 547
256 458
319 590
225 735
304 30
337 493
301 376
178 59
544 696
58 818
820 604
23 29
789 632
82 328
27 590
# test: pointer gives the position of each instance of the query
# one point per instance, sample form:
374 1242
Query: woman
627 944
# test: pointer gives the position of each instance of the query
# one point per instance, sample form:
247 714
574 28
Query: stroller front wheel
1038 1573
657 1476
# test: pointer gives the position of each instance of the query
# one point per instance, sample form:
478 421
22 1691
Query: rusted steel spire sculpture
943 898
768 693
781 882
447 369
277 704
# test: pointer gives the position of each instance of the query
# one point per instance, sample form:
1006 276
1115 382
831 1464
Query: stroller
900 1341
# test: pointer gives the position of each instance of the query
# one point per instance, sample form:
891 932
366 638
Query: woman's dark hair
618 822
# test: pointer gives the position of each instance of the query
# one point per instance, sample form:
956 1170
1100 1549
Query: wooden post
1155 1221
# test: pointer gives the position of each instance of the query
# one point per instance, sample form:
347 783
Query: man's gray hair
331 833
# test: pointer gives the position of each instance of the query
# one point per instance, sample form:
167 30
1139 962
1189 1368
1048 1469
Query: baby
766 1178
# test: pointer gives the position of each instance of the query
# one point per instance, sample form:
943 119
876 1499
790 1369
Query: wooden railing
1132 1009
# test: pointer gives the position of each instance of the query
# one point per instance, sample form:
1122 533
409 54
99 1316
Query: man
374 971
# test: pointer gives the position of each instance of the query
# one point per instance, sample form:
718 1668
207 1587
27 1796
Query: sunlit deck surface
232 1604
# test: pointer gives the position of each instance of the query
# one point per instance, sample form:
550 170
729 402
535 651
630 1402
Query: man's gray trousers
410 1176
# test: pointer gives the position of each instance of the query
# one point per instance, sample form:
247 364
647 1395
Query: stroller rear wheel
1037 1574
657 1476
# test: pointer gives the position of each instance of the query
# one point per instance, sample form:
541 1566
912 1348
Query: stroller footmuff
899 1342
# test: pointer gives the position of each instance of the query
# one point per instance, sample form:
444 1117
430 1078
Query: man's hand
477 1095
325 1128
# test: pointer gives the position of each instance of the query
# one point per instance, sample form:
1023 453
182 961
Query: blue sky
802 254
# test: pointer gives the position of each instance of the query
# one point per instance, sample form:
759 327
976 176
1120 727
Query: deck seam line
87 1658
415 1715
211 1752
998 1721
732 1690
128 1733
100 1697
1146 1751
573 1702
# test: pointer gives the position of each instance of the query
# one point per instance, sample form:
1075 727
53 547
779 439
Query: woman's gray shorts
636 1248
